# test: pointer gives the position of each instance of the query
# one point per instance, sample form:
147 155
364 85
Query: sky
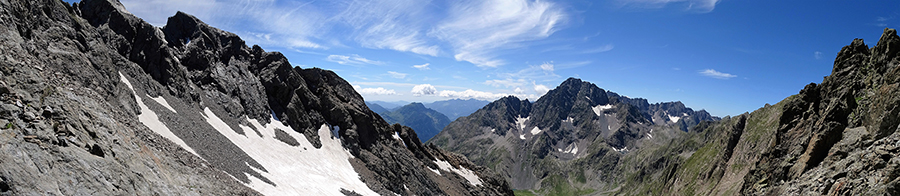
725 56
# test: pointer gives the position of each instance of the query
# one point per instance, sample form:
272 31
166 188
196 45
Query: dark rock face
69 123
570 137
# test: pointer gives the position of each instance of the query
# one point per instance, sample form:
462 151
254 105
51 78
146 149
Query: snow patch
434 170
162 101
569 120
674 118
648 135
293 170
572 149
684 114
520 122
623 149
469 175
492 130
535 130
522 136
600 108
151 120
396 136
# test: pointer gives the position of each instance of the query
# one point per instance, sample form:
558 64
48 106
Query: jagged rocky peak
94 85
570 124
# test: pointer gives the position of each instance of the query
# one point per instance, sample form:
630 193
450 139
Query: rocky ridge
576 128
77 119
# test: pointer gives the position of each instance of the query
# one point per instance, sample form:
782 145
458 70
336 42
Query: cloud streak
716 74
422 66
374 91
397 75
352 60
701 6
475 29
469 30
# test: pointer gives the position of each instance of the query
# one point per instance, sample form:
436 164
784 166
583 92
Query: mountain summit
95 101
535 143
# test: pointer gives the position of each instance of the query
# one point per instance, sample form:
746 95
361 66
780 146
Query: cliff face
839 137
97 101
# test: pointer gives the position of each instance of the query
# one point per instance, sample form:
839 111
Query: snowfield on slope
151 120
462 171
294 170
600 108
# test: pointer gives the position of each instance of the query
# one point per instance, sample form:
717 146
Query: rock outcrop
76 89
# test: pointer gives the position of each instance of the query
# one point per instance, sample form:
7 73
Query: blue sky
727 57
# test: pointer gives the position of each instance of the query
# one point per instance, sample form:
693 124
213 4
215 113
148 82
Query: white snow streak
162 101
151 120
521 122
396 135
573 149
600 108
295 170
462 171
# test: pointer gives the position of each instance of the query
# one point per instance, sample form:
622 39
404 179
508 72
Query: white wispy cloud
701 6
390 24
523 77
429 90
374 91
547 66
352 60
604 48
473 94
474 31
817 55
716 74
477 28
422 66
397 75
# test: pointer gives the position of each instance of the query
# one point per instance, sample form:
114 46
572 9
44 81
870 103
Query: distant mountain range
455 108
389 105
425 121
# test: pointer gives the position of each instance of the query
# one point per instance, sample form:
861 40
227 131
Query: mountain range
425 121
838 137
455 108
95 101
560 134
